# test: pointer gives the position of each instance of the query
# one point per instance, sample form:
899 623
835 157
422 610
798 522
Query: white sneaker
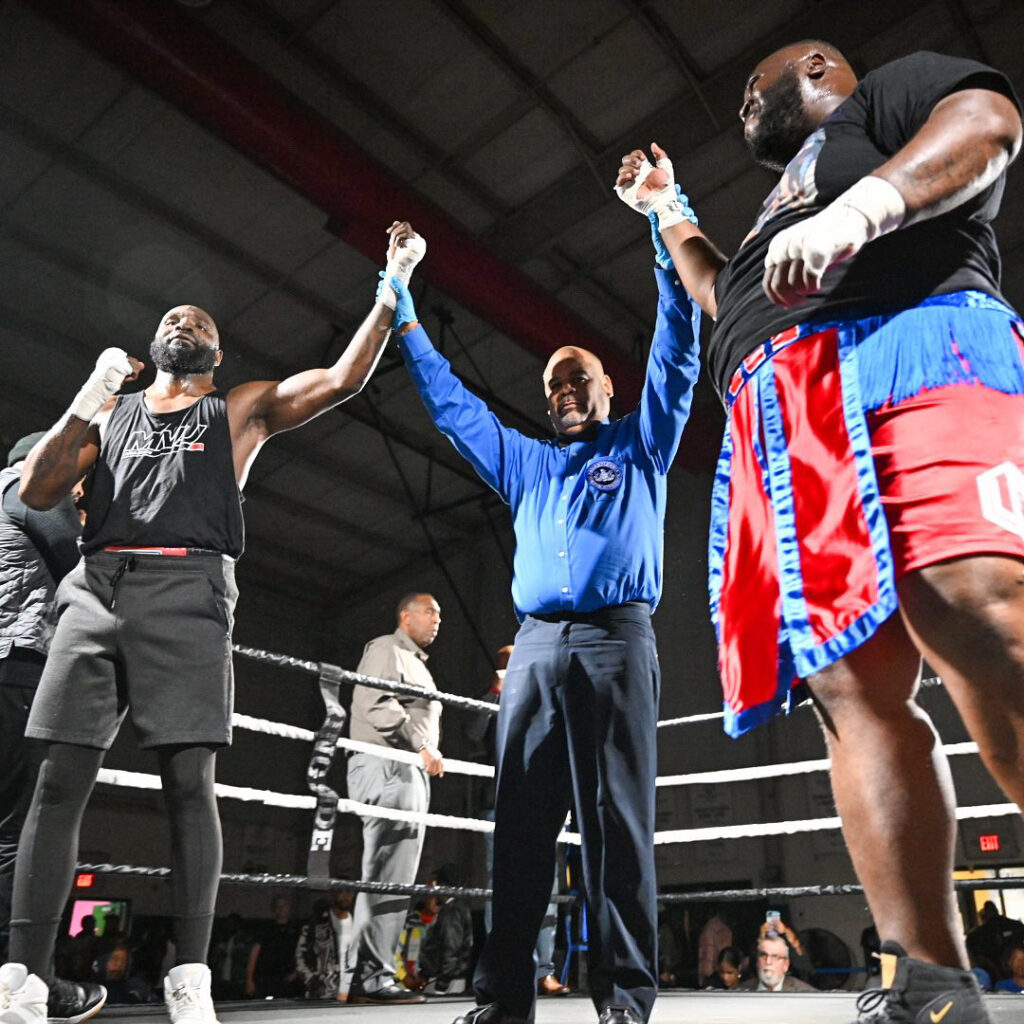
187 995
22 996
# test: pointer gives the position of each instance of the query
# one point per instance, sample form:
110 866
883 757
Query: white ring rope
486 771
788 828
710 716
775 771
139 780
268 798
294 732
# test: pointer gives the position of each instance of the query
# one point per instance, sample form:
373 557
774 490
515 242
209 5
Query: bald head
578 390
788 95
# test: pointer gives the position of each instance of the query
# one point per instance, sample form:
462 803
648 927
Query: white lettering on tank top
154 444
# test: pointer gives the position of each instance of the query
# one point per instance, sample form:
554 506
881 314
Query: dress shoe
619 1015
389 995
549 985
492 1013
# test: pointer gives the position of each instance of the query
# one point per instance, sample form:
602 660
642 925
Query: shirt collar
404 640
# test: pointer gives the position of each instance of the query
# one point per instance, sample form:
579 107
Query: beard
182 361
781 124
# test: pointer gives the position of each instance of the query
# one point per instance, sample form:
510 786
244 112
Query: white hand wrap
868 209
112 367
664 201
402 264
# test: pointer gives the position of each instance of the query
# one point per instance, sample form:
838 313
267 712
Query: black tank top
166 480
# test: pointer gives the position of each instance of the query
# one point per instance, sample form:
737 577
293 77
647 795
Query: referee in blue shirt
578 716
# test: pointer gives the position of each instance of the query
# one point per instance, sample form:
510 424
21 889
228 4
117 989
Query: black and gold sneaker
916 992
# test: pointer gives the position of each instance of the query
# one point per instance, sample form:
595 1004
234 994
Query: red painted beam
208 79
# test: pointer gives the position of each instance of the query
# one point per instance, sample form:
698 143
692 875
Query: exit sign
989 843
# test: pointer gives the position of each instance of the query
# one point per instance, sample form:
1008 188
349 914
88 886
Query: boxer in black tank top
146 618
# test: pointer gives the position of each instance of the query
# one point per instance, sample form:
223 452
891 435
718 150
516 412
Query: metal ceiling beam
586 143
451 164
661 35
180 59
148 202
287 34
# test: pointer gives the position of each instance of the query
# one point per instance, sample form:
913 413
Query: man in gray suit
391 849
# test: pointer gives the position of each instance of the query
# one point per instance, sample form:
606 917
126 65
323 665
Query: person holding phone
774 943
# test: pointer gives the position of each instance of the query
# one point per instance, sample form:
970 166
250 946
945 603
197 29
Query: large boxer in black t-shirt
884 206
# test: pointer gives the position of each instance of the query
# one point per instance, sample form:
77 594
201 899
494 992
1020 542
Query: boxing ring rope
309 802
451 700
139 780
486 771
268 880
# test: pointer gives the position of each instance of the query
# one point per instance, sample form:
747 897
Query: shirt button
561 554
565 497
565 590
560 522
571 476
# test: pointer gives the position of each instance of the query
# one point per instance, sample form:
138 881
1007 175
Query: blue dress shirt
589 516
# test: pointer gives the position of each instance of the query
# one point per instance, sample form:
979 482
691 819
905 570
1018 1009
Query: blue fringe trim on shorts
962 338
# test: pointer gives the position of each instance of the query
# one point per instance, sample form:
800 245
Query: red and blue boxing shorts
856 452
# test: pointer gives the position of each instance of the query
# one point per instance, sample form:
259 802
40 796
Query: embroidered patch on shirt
605 474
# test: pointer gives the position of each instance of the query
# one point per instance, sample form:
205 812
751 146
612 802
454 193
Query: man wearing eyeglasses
773 969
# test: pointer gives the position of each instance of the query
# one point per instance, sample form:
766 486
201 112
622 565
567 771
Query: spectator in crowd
410 942
1013 970
150 954
871 947
323 943
729 967
113 970
482 732
447 948
773 962
229 958
271 970
37 550
989 940
714 937
82 950
982 970
391 849
111 934
800 965
669 954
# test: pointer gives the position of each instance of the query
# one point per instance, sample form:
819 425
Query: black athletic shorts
148 635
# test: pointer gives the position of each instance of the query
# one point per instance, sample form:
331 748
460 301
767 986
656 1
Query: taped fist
799 256
113 367
651 189
405 250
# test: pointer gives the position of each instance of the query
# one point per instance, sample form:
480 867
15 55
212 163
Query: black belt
597 613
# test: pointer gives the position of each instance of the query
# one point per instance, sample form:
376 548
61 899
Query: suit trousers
577 726
391 853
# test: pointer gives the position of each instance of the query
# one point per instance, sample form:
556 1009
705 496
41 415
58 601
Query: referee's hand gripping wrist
405 250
